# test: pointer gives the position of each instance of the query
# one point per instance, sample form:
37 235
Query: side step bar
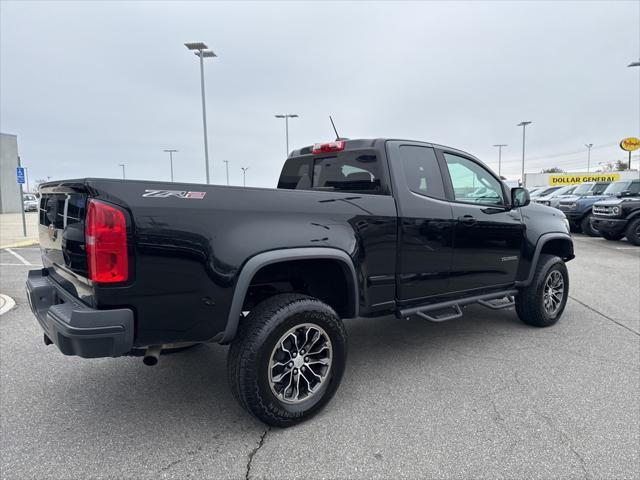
484 300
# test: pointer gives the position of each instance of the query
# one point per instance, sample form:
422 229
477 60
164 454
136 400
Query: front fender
526 276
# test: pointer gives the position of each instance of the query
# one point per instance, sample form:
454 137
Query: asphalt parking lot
480 397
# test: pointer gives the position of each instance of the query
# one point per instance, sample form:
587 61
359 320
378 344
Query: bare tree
620 166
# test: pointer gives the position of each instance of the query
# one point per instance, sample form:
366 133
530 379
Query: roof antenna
334 128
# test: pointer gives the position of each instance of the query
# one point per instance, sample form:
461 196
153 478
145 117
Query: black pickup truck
356 228
619 217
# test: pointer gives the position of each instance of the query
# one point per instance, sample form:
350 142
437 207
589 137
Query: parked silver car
553 199
30 202
542 192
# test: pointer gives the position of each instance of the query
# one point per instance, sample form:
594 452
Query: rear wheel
611 236
542 302
633 231
587 228
288 359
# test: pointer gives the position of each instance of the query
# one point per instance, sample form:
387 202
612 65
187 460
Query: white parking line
18 256
6 303
628 248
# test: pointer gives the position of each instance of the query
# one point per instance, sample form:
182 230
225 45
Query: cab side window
473 183
421 170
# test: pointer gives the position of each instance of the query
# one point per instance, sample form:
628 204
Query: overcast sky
87 86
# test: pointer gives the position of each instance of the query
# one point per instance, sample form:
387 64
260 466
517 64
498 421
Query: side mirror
624 193
520 197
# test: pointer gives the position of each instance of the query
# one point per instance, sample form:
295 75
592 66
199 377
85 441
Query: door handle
467 220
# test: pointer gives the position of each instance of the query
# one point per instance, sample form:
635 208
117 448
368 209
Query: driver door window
473 183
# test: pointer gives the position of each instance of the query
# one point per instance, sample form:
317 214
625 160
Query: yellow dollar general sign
572 179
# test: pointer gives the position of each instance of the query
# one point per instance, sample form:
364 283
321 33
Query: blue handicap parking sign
20 174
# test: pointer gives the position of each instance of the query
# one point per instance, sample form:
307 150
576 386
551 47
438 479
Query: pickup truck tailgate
62 238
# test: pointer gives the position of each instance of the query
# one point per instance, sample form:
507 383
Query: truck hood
617 201
591 199
546 197
573 198
542 210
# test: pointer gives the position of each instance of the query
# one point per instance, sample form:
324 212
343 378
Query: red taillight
336 146
106 243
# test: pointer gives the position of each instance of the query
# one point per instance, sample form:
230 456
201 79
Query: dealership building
10 200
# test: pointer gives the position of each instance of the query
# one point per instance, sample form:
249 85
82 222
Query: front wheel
587 228
542 302
633 232
288 358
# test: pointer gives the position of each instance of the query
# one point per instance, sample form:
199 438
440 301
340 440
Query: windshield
30 198
564 191
543 192
617 187
583 189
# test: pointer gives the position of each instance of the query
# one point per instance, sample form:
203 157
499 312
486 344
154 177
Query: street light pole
123 175
500 145
171 151
227 165
244 176
524 127
286 117
588 145
633 64
202 52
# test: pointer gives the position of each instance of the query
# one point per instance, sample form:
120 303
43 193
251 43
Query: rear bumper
609 225
75 328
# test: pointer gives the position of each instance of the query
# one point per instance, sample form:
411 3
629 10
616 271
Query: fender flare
633 215
255 263
544 238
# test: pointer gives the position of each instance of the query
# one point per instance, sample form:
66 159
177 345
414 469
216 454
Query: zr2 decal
173 193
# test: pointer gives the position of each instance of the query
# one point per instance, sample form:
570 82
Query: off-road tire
250 354
586 227
633 232
530 302
612 236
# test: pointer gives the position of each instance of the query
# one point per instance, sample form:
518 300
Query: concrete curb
6 303
25 243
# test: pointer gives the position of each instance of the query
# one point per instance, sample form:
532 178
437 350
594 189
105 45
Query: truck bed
187 243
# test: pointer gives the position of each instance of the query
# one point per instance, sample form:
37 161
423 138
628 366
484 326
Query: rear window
356 172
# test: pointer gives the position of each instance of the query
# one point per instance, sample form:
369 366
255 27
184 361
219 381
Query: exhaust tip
152 355
150 361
